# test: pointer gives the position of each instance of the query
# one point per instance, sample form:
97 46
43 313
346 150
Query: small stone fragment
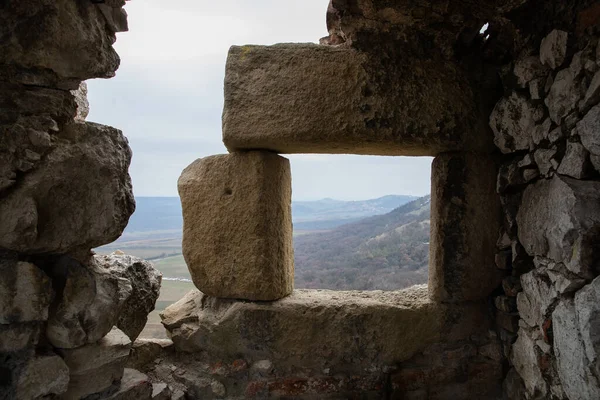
537 89
503 259
543 159
530 174
527 69
574 163
592 95
537 297
588 129
511 286
540 132
134 386
161 391
590 66
555 134
506 304
83 106
576 66
553 49
525 361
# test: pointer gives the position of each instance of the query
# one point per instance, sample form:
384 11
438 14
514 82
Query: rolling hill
386 252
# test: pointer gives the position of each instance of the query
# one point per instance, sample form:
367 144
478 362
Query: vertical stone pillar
237 225
465 218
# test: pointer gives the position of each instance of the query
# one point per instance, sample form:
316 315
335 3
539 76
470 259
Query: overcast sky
167 96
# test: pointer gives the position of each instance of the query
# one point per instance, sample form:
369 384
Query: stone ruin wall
512 119
67 317
547 128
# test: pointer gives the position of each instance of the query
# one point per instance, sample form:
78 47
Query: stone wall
547 127
511 115
67 316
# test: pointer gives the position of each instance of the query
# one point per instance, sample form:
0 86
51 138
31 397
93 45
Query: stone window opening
377 239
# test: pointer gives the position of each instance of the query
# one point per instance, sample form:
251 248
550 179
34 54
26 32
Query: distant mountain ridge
157 214
388 252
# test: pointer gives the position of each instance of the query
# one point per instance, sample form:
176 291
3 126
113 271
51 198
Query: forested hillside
387 252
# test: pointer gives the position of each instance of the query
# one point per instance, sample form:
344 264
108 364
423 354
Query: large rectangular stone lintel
306 98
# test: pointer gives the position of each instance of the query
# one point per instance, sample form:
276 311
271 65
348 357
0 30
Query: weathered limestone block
95 367
145 351
321 329
78 196
161 391
15 337
304 98
44 375
589 131
42 55
30 117
578 374
145 287
513 123
525 356
587 306
544 159
465 220
89 304
559 218
134 385
237 232
527 69
25 292
564 95
553 49
592 95
575 162
537 297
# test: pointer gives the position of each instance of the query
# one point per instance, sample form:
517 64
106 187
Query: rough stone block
575 162
95 367
44 375
25 292
89 304
59 30
134 385
578 374
526 361
513 123
237 233
559 218
465 220
553 49
317 329
564 95
145 283
78 196
304 98
15 337
588 129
